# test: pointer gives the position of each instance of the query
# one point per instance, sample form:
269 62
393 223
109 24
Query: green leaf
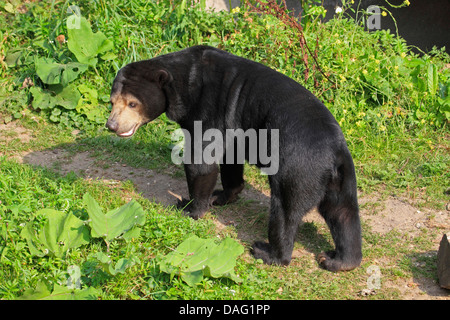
133 233
105 46
60 233
41 99
122 265
85 44
44 291
218 266
55 95
34 245
9 7
108 56
103 259
119 267
181 9
13 56
421 114
88 104
195 258
52 72
67 97
432 78
115 222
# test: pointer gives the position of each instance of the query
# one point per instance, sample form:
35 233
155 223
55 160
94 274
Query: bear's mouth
130 132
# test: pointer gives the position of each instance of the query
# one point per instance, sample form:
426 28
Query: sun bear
222 92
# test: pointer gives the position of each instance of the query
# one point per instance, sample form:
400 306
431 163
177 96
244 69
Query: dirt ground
382 215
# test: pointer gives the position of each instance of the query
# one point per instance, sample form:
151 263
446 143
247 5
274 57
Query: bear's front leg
201 180
232 176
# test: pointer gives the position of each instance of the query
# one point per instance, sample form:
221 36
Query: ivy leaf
85 44
116 222
195 258
60 233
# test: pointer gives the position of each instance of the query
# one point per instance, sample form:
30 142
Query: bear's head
137 97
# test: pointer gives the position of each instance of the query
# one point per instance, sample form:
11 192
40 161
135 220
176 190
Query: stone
443 262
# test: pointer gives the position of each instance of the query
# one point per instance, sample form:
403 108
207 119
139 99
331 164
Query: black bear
222 91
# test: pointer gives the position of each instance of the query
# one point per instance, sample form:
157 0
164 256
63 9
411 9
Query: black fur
228 92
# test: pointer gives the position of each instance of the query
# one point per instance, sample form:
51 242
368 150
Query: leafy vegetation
40 246
61 233
195 258
66 103
123 221
57 64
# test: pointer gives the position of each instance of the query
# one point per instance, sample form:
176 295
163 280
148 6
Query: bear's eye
132 105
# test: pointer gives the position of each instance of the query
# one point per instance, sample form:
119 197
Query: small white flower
338 9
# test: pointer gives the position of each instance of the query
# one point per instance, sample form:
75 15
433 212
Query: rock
443 262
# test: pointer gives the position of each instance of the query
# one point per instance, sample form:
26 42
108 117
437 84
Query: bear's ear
162 77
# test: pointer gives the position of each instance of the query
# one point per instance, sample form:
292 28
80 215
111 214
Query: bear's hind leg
283 227
341 214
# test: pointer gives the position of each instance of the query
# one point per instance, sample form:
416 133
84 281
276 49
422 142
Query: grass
26 190
378 91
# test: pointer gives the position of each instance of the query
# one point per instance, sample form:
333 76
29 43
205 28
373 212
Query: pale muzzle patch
127 115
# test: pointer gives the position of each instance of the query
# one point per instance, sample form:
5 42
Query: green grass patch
392 105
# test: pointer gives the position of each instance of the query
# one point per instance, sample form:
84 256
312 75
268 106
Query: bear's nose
112 125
